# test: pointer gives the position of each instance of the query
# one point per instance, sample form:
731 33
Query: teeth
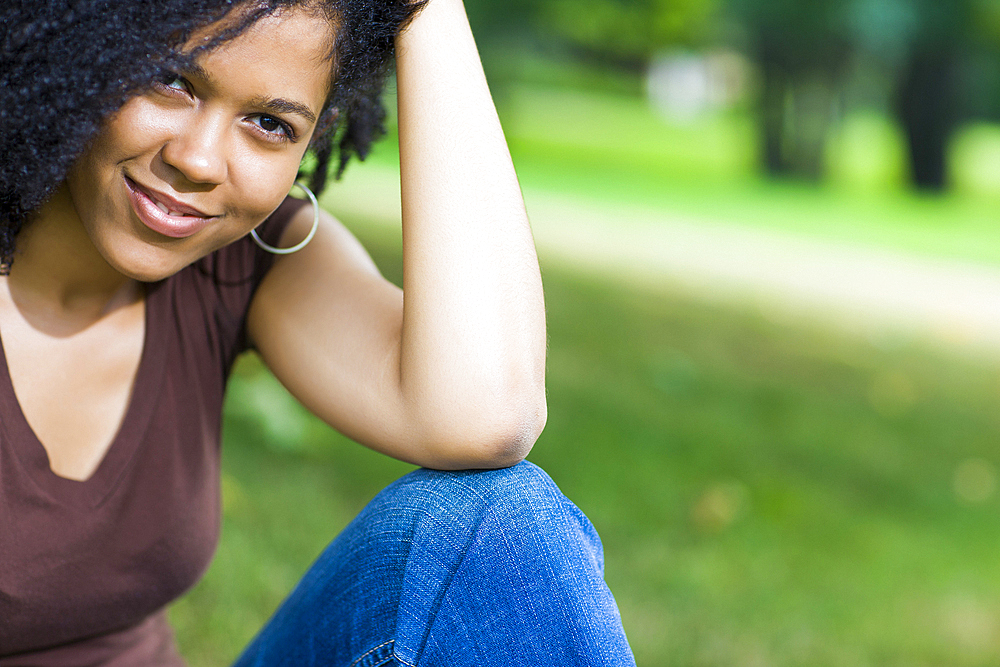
172 214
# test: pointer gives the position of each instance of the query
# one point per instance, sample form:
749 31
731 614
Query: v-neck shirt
87 567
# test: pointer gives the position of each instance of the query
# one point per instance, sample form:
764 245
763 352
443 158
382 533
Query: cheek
137 130
140 127
259 184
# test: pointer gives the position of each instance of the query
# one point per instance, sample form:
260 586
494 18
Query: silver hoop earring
304 242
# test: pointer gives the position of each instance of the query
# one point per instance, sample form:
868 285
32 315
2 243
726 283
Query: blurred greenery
611 147
931 65
767 493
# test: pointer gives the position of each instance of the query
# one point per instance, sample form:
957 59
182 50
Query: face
204 156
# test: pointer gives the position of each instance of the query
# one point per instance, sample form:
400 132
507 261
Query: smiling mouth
163 215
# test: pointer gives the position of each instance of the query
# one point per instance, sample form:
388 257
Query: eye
171 81
274 128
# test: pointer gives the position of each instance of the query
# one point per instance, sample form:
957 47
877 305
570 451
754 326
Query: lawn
617 148
613 148
768 494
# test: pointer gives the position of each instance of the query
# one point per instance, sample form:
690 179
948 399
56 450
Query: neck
58 275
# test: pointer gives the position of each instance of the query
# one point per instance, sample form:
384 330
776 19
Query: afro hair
65 65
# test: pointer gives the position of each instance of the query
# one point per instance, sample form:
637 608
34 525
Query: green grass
767 494
613 148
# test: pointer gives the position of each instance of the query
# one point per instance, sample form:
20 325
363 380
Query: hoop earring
304 242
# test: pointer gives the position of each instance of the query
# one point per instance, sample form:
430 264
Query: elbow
511 445
494 440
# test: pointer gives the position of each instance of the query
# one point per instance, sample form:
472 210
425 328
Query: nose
199 150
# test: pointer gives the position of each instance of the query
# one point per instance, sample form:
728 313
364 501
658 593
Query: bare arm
451 375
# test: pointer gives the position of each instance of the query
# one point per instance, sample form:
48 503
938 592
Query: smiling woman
203 156
147 140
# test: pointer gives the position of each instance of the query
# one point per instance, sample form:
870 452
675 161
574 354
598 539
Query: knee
489 552
463 497
458 510
476 491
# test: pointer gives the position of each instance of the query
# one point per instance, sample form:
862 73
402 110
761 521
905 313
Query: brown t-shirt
86 568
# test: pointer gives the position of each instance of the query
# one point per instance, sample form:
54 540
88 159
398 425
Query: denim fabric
449 569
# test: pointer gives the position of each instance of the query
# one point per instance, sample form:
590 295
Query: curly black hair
65 65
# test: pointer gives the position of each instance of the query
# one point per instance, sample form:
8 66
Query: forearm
472 350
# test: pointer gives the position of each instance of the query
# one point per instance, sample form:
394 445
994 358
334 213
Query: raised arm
451 375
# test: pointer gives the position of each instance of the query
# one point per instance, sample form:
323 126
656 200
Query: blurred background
769 240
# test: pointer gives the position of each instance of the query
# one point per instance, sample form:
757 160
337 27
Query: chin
147 263
147 276
147 273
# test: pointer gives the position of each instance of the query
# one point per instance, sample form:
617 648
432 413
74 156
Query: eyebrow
279 105
272 104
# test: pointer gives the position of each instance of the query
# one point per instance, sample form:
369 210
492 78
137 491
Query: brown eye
276 128
270 124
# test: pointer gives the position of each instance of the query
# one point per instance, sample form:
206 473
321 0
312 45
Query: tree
924 42
628 32
801 49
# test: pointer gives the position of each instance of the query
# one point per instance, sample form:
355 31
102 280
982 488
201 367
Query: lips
164 214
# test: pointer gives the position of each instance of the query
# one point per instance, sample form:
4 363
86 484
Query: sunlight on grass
976 168
767 493
625 133
867 153
613 149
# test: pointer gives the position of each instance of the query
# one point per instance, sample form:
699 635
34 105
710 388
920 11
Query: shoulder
214 294
333 249
332 274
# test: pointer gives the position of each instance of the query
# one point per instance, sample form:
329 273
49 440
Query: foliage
930 63
802 34
919 46
985 15
628 30
623 31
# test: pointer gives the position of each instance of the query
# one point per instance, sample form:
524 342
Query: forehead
289 51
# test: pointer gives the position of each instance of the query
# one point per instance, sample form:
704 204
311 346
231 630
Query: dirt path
861 289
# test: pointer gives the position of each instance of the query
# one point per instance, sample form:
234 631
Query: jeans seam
488 500
382 659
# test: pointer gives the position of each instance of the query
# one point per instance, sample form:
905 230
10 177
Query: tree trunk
796 110
812 111
773 125
926 110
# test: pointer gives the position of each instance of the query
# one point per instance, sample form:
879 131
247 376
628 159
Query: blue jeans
449 569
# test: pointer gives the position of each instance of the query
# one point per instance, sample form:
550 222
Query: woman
147 140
